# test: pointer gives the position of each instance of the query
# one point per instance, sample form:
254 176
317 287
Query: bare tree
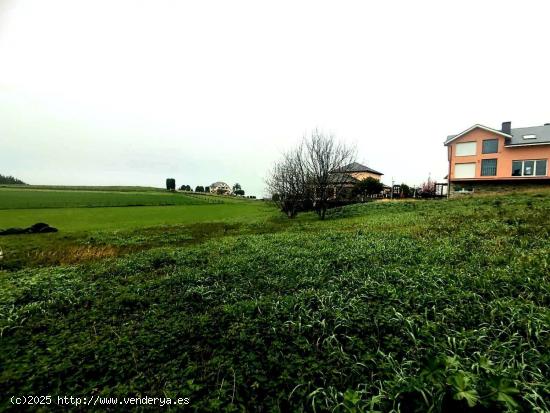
326 160
427 189
312 173
287 182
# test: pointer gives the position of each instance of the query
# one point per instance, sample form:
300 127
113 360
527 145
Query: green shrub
170 184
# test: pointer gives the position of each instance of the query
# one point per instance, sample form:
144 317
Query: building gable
477 127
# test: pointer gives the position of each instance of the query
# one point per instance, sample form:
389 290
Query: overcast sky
132 92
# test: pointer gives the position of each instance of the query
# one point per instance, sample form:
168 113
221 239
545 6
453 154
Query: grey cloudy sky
131 92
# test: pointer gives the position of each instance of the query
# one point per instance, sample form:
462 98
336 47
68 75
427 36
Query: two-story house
482 159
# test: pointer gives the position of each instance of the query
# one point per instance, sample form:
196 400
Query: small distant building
349 175
359 172
220 188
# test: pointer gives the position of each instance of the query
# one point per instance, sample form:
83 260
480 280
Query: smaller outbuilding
220 188
359 172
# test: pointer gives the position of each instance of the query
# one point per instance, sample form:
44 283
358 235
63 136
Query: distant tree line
171 186
10 180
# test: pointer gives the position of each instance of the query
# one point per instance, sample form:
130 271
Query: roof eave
367 172
477 125
513 145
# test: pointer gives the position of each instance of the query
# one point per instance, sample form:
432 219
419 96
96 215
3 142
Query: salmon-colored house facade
484 159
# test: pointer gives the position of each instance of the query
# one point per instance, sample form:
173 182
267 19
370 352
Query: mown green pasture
397 306
103 188
70 220
18 198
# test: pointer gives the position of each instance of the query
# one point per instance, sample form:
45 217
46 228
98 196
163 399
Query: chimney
507 127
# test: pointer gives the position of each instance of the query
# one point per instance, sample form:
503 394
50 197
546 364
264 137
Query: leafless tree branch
314 171
325 161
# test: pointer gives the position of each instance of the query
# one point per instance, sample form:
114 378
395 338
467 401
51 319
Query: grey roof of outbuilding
542 134
357 167
342 178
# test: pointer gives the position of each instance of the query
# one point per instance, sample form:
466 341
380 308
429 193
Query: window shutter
466 149
465 170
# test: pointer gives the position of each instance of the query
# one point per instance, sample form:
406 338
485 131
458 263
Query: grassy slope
400 304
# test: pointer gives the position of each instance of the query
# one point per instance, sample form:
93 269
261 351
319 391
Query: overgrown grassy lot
404 306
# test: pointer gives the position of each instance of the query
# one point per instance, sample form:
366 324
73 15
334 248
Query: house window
488 167
531 167
466 149
490 146
517 167
528 168
529 136
540 168
465 170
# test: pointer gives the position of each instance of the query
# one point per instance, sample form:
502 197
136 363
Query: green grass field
89 219
387 306
86 188
18 198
